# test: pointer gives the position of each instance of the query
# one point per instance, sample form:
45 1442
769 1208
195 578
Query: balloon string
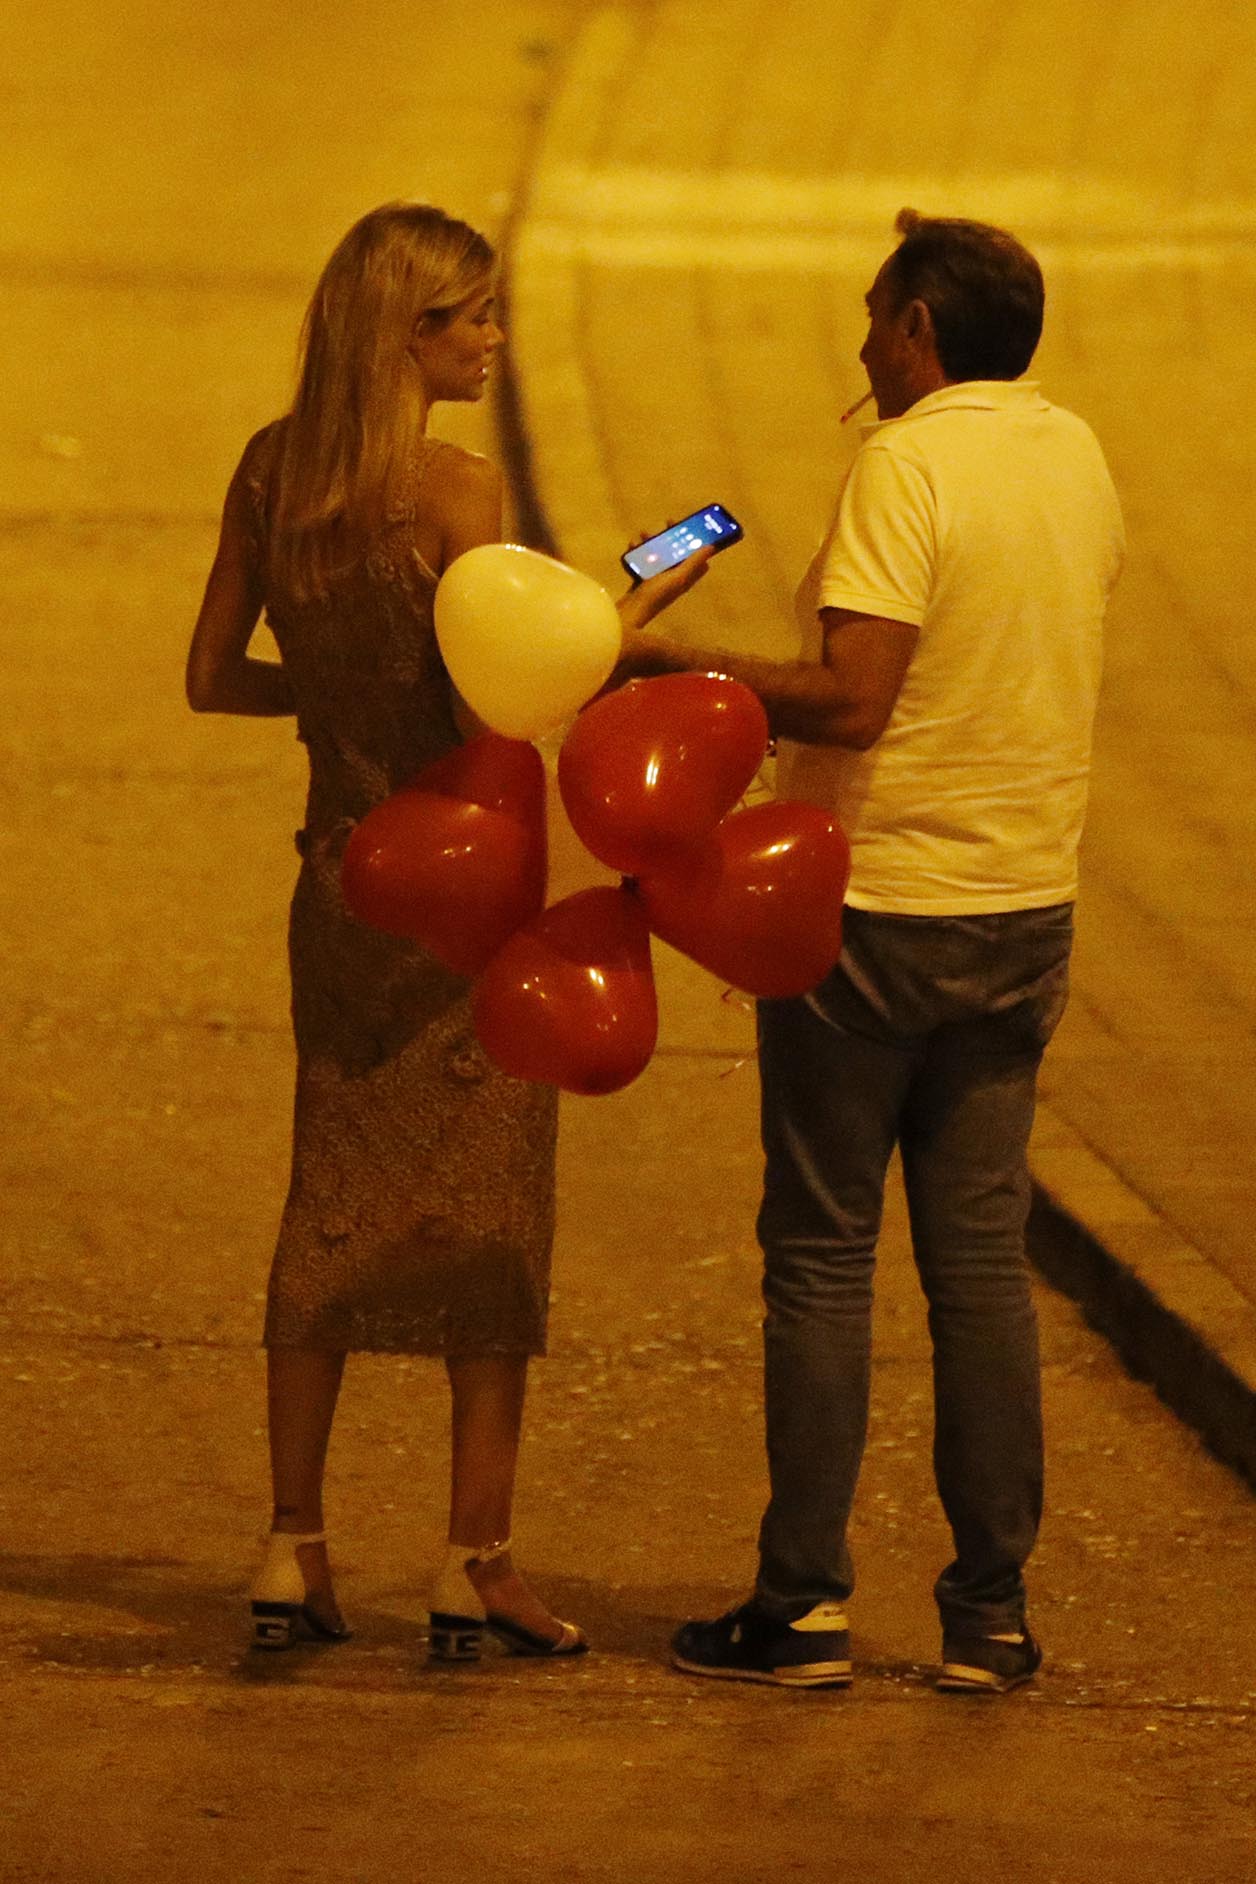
757 788
733 997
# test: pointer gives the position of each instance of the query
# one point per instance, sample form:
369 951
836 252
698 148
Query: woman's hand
644 655
647 599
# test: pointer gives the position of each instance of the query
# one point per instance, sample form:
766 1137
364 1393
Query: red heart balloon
500 774
647 772
569 999
456 859
763 907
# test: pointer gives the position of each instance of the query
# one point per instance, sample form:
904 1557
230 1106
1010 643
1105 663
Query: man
943 709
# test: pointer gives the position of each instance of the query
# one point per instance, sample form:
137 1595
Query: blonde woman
420 1214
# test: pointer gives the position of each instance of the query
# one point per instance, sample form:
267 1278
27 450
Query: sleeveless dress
420 1213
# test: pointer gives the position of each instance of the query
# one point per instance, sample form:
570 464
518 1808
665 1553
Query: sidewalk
687 287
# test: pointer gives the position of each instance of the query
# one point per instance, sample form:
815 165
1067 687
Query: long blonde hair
359 407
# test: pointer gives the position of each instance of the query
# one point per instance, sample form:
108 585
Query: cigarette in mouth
857 407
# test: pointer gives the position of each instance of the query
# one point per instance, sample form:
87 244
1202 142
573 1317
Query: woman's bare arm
464 502
465 505
222 677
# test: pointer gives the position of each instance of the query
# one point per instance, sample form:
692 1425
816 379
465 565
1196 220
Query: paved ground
171 188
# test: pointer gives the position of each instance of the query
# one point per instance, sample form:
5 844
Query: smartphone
711 524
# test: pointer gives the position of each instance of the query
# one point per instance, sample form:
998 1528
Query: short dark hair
982 287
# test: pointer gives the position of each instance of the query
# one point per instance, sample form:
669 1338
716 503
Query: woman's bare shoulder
457 471
255 461
264 443
459 503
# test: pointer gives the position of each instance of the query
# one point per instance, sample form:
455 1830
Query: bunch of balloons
650 777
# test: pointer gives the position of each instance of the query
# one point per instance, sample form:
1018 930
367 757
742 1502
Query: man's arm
844 699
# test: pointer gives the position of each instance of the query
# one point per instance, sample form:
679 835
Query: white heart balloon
527 640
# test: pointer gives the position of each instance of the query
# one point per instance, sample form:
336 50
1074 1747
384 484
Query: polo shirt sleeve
881 558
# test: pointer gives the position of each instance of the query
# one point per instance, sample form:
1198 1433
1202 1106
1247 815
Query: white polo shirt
986 517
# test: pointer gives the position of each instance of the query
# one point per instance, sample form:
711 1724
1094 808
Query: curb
1173 1316
1158 1342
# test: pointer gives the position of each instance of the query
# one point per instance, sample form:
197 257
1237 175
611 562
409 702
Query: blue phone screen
712 525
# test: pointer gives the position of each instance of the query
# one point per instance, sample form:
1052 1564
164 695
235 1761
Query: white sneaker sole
806 1675
958 1678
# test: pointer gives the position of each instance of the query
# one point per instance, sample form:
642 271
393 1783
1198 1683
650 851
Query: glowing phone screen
714 525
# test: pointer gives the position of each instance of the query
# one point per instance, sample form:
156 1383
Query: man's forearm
804 700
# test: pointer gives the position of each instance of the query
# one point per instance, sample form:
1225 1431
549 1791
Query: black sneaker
747 1645
987 1664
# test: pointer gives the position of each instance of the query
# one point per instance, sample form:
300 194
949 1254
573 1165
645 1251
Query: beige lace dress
420 1213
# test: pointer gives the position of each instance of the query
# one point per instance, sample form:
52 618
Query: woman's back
372 696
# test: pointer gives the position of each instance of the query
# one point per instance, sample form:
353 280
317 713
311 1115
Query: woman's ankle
297 1520
504 1591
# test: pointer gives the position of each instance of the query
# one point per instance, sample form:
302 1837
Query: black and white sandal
282 1617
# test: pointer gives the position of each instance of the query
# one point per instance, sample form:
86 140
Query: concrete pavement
181 175
687 282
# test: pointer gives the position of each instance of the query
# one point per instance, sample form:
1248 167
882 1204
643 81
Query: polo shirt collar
986 395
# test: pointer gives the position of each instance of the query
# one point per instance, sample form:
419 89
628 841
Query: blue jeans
927 1034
